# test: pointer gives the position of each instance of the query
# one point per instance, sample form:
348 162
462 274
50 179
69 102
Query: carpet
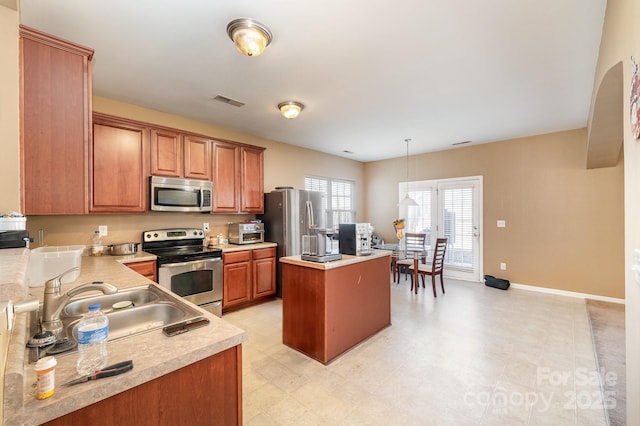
607 331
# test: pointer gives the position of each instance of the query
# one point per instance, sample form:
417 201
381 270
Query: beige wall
9 112
563 222
285 165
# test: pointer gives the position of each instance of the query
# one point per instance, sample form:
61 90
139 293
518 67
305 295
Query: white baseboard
568 293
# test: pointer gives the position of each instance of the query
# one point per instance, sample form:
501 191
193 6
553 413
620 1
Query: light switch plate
503 266
103 230
636 265
502 223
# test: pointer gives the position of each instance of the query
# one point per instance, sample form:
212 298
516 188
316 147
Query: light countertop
241 247
153 353
346 260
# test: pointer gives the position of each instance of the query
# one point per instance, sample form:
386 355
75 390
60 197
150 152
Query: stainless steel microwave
180 195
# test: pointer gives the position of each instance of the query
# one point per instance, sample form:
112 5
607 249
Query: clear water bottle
96 244
92 341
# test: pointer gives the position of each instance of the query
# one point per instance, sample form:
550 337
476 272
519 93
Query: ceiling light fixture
290 109
407 200
250 36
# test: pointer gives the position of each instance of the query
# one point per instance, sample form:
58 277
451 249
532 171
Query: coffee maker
320 246
355 238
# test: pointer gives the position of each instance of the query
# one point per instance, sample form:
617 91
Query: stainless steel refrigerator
288 215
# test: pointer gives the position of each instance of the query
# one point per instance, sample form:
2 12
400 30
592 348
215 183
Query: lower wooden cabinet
207 392
249 277
147 268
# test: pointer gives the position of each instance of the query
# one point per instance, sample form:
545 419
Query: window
339 199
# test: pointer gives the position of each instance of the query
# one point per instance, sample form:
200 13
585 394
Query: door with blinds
450 208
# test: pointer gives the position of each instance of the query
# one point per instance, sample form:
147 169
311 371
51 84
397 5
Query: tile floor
475 356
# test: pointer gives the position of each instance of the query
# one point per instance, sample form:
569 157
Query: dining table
398 253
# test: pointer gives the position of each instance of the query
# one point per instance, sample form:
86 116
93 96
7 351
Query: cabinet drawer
236 256
264 253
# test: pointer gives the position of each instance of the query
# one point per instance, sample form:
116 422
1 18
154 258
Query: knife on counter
112 370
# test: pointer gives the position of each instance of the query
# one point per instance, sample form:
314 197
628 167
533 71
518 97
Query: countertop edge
345 261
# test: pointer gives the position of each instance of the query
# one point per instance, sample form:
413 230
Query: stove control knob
148 236
155 235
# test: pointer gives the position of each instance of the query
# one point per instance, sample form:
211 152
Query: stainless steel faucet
54 301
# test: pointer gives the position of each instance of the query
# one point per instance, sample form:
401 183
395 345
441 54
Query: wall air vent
228 101
461 143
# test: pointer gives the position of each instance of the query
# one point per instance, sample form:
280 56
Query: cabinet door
197 157
166 153
225 178
55 97
120 157
146 268
252 181
236 283
264 277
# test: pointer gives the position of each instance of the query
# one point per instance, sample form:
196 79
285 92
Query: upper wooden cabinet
119 166
197 157
174 154
252 180
166 153
55 117
238 178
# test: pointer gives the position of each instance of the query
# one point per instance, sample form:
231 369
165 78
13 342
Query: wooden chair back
415 241
438 255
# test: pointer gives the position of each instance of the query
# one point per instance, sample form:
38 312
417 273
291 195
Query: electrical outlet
501 223
104 231
503 266
205 227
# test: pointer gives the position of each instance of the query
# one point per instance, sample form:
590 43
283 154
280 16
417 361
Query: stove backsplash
73 229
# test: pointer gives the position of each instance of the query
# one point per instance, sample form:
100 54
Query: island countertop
345 261
153 353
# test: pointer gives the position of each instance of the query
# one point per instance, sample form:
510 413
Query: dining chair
414 243
435 268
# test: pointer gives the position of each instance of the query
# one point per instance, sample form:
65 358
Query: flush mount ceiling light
290 109
250 36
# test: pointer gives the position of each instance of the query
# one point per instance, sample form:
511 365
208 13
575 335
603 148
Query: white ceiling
370 73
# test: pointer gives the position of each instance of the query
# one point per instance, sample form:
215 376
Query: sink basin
137 295
135 320
152 309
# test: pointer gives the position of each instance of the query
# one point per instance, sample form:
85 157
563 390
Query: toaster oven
246 233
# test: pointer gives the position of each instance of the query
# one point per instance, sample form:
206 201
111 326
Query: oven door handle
193 262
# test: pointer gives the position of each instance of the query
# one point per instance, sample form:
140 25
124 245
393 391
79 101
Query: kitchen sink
135 320
151 309
137 296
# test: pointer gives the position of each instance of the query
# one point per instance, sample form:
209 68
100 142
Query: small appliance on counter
319 246
355 238
246 233
14 239
13 232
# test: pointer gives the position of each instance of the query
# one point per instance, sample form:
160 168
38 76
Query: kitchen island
328 308
193 378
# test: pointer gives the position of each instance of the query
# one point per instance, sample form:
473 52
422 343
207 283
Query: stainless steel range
186 266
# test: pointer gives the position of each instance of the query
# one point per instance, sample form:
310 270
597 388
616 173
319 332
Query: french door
450 208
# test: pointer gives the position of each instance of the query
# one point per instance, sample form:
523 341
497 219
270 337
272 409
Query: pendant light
407 201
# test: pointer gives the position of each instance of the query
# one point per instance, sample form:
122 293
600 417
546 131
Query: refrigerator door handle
309 208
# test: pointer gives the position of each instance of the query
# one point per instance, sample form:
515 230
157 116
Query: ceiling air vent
228 101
